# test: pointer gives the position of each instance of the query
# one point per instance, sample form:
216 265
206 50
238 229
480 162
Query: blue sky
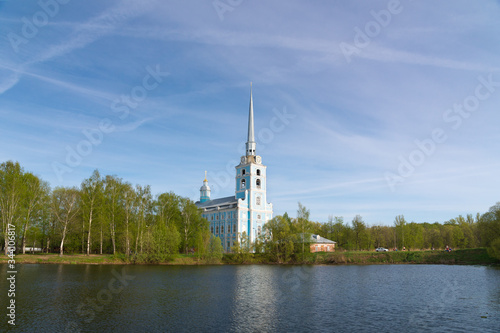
377 108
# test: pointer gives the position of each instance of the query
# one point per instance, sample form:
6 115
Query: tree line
460 232
106 214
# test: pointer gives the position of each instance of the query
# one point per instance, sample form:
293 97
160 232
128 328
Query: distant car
381 249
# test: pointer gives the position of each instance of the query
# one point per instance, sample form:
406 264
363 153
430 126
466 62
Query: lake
254 298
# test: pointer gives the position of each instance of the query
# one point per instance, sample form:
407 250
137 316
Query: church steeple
205 190
250 145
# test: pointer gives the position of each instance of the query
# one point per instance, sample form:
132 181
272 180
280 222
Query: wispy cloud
131 126
391 55
95 28
8 81
82 35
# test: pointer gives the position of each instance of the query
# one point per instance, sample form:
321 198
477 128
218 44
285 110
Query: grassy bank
458 257
93 259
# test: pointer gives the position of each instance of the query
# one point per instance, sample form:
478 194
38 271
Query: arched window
222 229
258 172
216 230
258 183
212 230
243 172
259 230
234 227
243 183
257 201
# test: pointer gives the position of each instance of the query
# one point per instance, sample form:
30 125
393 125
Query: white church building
247 210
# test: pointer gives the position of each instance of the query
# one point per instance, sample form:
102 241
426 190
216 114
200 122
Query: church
247 210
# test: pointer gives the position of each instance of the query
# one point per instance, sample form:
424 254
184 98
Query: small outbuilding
321 244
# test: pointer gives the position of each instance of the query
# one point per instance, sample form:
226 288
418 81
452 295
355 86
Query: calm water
378 298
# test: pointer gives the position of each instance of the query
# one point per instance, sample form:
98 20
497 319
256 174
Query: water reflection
254 300
379 298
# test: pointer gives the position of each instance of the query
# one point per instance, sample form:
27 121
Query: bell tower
251 184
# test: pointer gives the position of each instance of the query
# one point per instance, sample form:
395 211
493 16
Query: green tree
12 189
129 204
339 231
400 230
280 240
191 224
91 193
303 225
415 236
489 229
65 209
34 203
144 207
113 206
160 243
432 236
359 230
215 250
166 207
494 249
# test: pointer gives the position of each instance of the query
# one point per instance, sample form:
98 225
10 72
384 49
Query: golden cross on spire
205 176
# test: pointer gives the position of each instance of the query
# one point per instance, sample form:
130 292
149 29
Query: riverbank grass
459 257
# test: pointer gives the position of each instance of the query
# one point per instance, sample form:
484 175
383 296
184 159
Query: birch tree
144 199
65 209
11 193
129 199
91 190
303 225
34 197
113 205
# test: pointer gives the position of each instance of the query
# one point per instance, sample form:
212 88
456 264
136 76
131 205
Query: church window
234 227
258 172
212 230
258 217
222 229
243 183
243 171
257 201
259 230
216 230
258 183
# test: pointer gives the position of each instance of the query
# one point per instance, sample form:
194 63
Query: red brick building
321 244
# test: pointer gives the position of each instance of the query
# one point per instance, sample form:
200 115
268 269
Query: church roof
218 202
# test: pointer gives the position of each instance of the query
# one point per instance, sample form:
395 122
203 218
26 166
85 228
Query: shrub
494 249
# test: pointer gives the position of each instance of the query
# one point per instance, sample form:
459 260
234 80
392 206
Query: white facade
248 210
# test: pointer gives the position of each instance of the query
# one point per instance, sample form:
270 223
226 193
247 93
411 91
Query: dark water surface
258 298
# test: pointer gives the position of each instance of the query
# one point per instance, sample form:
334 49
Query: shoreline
458 257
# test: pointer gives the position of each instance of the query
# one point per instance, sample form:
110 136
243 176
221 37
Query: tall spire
251 137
